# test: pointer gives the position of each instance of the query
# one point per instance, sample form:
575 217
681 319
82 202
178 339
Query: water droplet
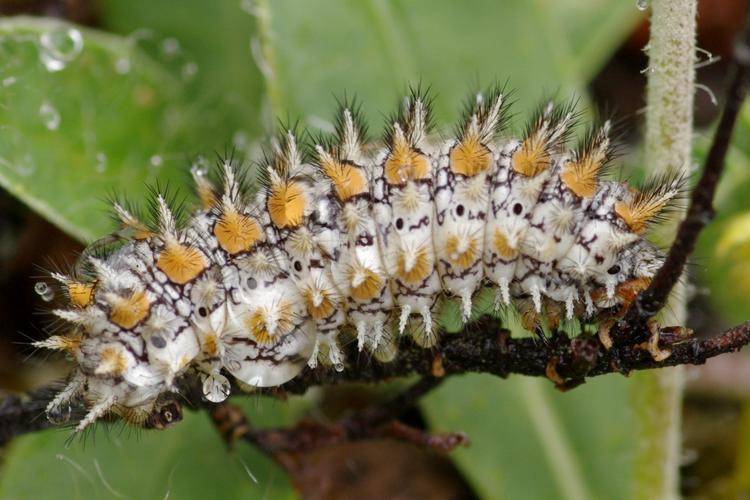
199 167
642 4
50 116
44 291
189 70
59 47
339 367
240 139
156 161
7 82
101 162
170 47
216 388
59 415
25 167
122 66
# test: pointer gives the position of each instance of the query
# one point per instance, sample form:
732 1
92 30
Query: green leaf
80 113
530 441
375 48
214 38
187 461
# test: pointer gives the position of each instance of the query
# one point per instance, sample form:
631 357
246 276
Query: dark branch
23 414
700 211
488 348
483 347
285 445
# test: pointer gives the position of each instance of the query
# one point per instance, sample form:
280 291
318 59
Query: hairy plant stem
657 395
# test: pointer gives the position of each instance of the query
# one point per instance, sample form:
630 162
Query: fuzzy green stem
657 395
266 60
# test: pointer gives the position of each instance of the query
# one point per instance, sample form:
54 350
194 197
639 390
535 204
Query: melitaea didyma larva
346 235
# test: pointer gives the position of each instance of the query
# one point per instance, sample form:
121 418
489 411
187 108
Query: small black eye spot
158 342
614 269
202 312
460 210
517 209
252 283
399 224
297 266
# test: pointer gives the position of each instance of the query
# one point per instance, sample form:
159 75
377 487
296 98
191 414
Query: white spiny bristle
74 316
350 143
312 362
317 297
105 274
404 317
55 343
61 278
167 224
465 305
292 153
419 119
361 335
426 319
358 278
536 296
95 412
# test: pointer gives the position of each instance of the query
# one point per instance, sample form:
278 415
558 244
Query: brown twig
701 211
285 445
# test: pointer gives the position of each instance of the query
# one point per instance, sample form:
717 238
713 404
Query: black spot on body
159 342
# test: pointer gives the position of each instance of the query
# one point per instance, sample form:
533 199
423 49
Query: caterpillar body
343 235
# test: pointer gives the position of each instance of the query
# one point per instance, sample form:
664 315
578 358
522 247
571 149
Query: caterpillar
346 235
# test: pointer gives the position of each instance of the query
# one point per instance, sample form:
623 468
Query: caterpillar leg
569 307
361 334
54 410
313 361
465 305
99 409
405 312
386 348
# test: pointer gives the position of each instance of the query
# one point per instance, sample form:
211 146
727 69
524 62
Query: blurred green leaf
722 258
212 38
530 441
187 461
82 112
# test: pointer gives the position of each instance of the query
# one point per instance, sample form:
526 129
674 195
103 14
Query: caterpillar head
130 335
632 272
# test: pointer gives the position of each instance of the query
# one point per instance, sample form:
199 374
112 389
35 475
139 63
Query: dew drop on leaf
101 162
44 291
122 66
59 47
189 70
49 115
170 47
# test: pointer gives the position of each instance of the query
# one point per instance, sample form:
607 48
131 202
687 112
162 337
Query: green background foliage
158 85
